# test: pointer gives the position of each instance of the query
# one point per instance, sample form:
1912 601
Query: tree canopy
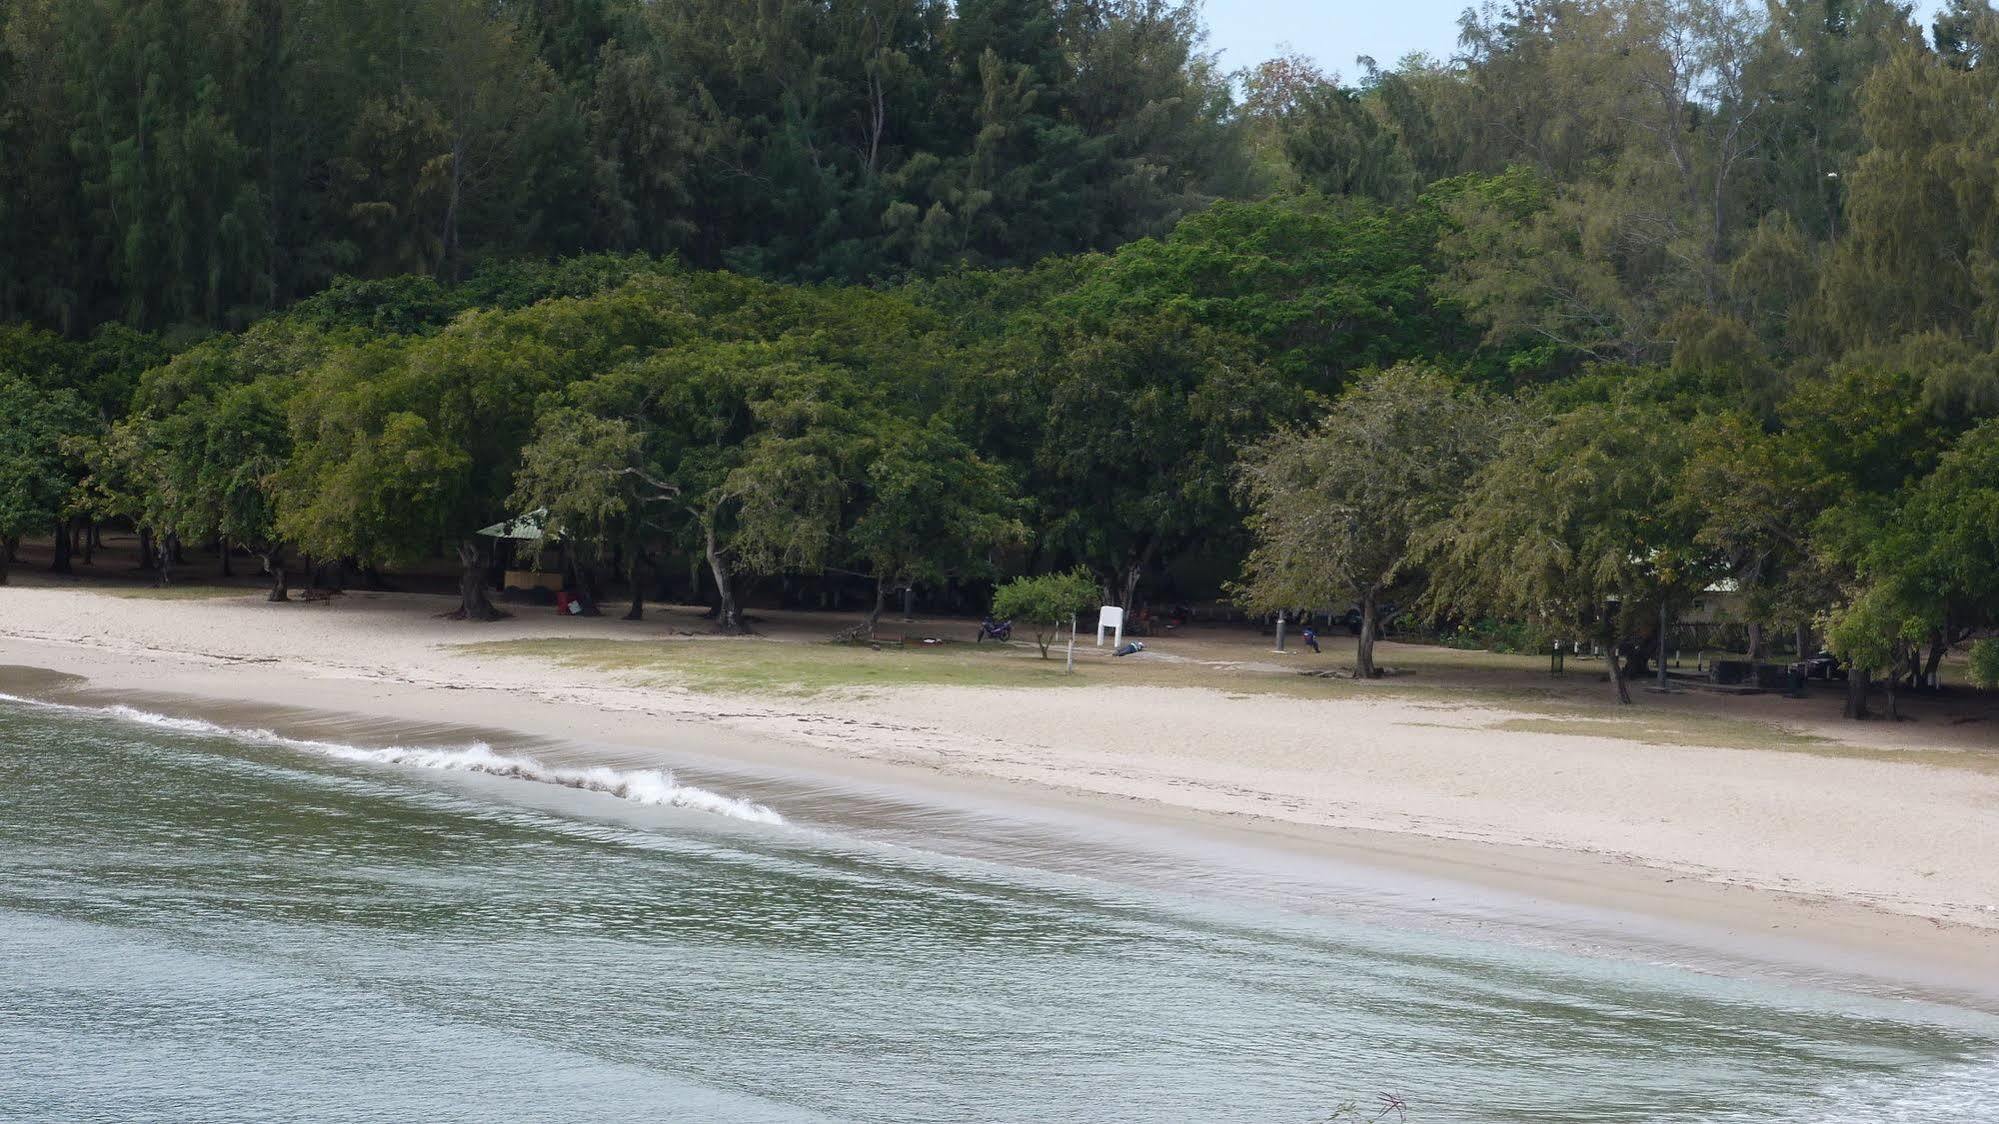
1623 299
1338 511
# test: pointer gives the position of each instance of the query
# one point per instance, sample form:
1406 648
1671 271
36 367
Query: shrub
1045 603
1985 663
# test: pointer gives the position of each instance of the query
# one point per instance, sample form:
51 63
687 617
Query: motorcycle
989 628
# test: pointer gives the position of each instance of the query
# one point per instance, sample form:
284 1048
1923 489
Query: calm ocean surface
202 926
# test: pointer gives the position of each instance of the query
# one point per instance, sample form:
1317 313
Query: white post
1069 663
1664 683
1280 631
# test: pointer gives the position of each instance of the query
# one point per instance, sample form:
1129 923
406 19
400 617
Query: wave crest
651 787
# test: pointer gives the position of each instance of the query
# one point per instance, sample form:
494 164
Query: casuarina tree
1336 510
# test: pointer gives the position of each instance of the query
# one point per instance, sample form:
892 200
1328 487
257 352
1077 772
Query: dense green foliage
1628 298
1339 511
35 461
202 161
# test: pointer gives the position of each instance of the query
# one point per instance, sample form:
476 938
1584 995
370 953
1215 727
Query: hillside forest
1624 301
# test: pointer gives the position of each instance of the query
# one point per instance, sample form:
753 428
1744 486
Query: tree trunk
727 616
1610 657
89 541
1133 573
1755 641
5 558
638 610
1856 694
1939 644
1363 664
881 598
1804 641
146 554
1893 681
60 563
577 577
1638 662
455 192
473 604
10 549
274 565
163 560
222 545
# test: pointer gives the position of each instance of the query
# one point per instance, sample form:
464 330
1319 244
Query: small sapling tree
1045 603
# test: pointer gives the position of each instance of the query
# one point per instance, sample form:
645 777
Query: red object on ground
562 602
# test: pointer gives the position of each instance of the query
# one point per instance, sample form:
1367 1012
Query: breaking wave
1962 1093
652 787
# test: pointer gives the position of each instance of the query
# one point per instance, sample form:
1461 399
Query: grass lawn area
1659 728
803 668
1578 705
765 665
761 666
754 665
1436 657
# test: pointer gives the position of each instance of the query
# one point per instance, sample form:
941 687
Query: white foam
652 787
1962 1093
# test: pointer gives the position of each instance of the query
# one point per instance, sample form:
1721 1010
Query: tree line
204 162
1627 298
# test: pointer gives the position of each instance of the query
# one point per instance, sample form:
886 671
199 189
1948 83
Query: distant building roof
525 527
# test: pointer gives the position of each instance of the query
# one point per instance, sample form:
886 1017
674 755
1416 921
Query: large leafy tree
1144 419
173 162
1320 287
38 468
1337 510
1811 61
1922 205
742 451
590 480
928 508
1337 144
198 456
1850 437
1575 525
1922 564
402 447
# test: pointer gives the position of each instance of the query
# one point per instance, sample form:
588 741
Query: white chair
1110 617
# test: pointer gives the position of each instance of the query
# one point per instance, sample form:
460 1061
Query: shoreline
1571 897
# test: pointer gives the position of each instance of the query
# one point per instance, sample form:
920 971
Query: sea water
206 924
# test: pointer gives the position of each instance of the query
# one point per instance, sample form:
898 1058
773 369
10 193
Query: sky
1334 31
1331 31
